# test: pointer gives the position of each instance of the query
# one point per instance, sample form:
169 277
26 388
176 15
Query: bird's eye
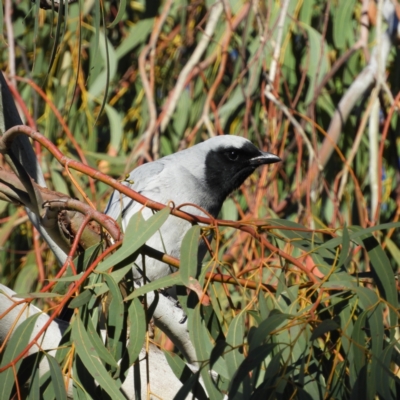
233 155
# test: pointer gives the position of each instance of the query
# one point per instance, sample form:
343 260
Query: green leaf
101 82
27 280
115 315
236 98
274 320
82 299
218 351
234 357
72 278
357 232
345 247
117 275
374 331
137 329
342 16
177 365
20 338
199 336
137 35
116 125
358 347
34 385
37 295
253 360
387 387
120 14
185 375
99 346
325 326
393 250
306 11
46 388
57 379
166 281
137 233
316 61
91 360
182 113
384 277
189 249
274 366
186 389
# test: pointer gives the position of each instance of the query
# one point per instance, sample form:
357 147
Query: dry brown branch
51 203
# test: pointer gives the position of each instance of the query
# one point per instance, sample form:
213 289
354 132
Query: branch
51 203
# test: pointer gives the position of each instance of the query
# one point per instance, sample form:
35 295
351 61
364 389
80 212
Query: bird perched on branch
204 174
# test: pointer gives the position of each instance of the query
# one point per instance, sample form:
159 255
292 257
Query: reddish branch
95 174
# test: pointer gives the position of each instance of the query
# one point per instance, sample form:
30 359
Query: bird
204 174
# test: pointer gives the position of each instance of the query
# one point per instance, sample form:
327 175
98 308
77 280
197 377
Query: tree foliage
298 297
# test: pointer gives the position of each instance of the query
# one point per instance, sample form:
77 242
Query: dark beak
264 158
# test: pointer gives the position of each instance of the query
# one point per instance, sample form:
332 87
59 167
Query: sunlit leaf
137 233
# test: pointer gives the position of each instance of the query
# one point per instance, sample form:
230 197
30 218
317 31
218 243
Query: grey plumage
204 174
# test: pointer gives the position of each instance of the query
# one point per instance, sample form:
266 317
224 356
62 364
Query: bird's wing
143 180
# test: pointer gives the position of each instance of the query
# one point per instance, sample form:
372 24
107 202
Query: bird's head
229 160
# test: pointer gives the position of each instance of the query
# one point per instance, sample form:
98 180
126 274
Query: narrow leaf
15 345
120 14
253 360
199 335
274 320
137 329
56 378
166 281
115 315
137 233
189 250
99 346
82 299
235 339
91 360
384 277
324 327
